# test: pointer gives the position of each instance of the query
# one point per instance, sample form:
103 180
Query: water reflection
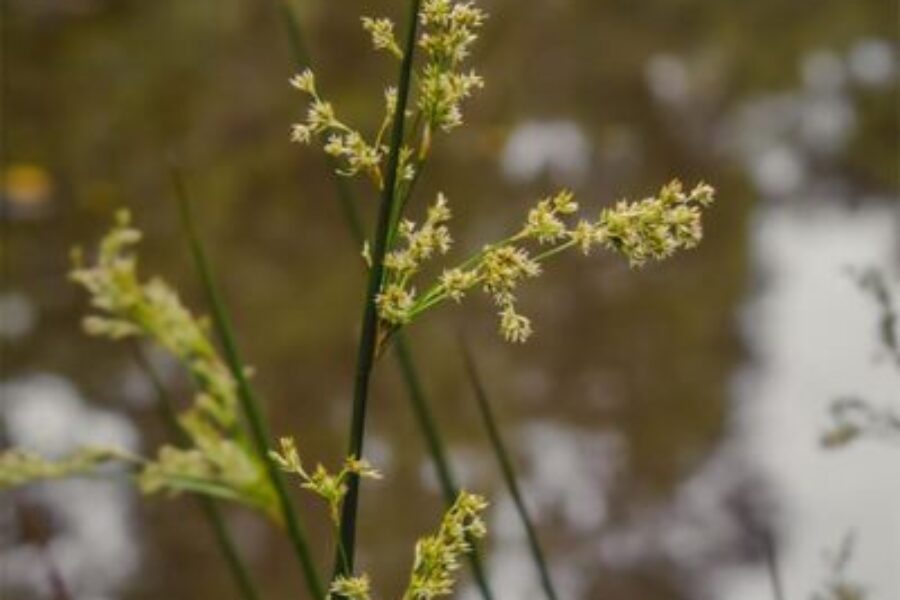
89 537
815 337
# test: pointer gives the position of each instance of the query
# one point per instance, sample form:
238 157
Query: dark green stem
509 474
248 400
208 507
369 335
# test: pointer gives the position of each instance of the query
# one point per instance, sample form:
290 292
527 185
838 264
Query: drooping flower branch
219 460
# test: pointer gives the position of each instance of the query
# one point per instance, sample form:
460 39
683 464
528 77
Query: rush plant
228 453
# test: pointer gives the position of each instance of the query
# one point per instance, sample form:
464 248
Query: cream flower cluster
449 29
330 487
653 228
437 557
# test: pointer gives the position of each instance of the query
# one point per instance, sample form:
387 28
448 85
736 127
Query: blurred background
665 423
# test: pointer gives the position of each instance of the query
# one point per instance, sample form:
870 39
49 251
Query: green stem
210 510
368 337
248 399
506 467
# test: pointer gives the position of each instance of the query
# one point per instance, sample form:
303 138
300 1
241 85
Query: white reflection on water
814 334
558 149
873 62
92 544
569 474
17 315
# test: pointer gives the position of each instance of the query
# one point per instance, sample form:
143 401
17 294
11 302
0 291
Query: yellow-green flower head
503 268
437 557
382 31
351 588
395 305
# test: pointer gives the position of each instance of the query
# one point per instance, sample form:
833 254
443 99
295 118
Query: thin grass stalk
408 371
207 506
506 467
249 402
368 336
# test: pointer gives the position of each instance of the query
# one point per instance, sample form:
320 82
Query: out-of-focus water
665 422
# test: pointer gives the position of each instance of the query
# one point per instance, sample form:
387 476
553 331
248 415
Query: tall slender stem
369 334
247 397
207 506
509 474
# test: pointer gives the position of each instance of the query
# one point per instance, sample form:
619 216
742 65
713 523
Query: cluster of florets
330 487
438 556
382 32
396 300
343 143
130 308
350 588
653 228
449 30
218 461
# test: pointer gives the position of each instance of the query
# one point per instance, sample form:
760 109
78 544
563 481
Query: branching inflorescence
220 461
449 30
437 557
651 229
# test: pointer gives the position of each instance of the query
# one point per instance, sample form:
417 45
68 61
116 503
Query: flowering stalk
368 337
408 371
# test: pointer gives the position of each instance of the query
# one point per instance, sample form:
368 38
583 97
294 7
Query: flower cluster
350 588
330 487
437 556
219 461
449 30
653 228
19 467
382 32
395 302
656 227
